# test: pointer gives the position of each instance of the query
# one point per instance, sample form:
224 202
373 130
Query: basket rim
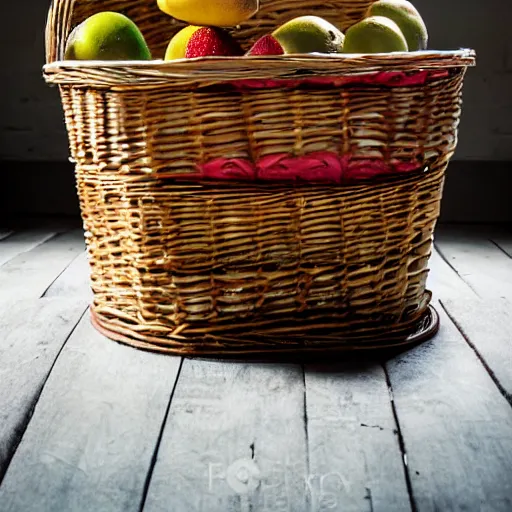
204 69
372 58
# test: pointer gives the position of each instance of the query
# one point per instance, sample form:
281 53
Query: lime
107 36
407 17
375 34
309 34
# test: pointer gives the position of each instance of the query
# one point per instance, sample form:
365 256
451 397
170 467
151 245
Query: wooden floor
87 424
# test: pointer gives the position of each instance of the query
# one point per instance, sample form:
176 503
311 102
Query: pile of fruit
388 26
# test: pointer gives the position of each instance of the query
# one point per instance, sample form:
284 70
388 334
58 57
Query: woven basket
258 205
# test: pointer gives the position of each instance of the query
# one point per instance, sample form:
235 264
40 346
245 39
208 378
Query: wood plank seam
51 236
28 274
23 427
306 434
5 235
234 440
456 425
445 259
401 442
500 248
369 497
459 327
154 457
60 274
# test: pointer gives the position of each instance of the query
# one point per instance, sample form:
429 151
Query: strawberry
266 45
212 41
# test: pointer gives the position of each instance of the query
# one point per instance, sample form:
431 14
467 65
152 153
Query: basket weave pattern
171 134
225 257
236 266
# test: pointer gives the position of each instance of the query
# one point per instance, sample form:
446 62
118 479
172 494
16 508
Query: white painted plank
456 425
74 281
443 280
234 441
487 325
91 439
29 274
354 453
32 333
485 267
21 242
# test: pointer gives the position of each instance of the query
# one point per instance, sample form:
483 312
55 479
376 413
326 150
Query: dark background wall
33 143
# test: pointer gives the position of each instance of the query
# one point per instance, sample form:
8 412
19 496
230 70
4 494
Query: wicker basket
207 233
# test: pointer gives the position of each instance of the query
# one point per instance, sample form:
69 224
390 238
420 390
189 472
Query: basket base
385 341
